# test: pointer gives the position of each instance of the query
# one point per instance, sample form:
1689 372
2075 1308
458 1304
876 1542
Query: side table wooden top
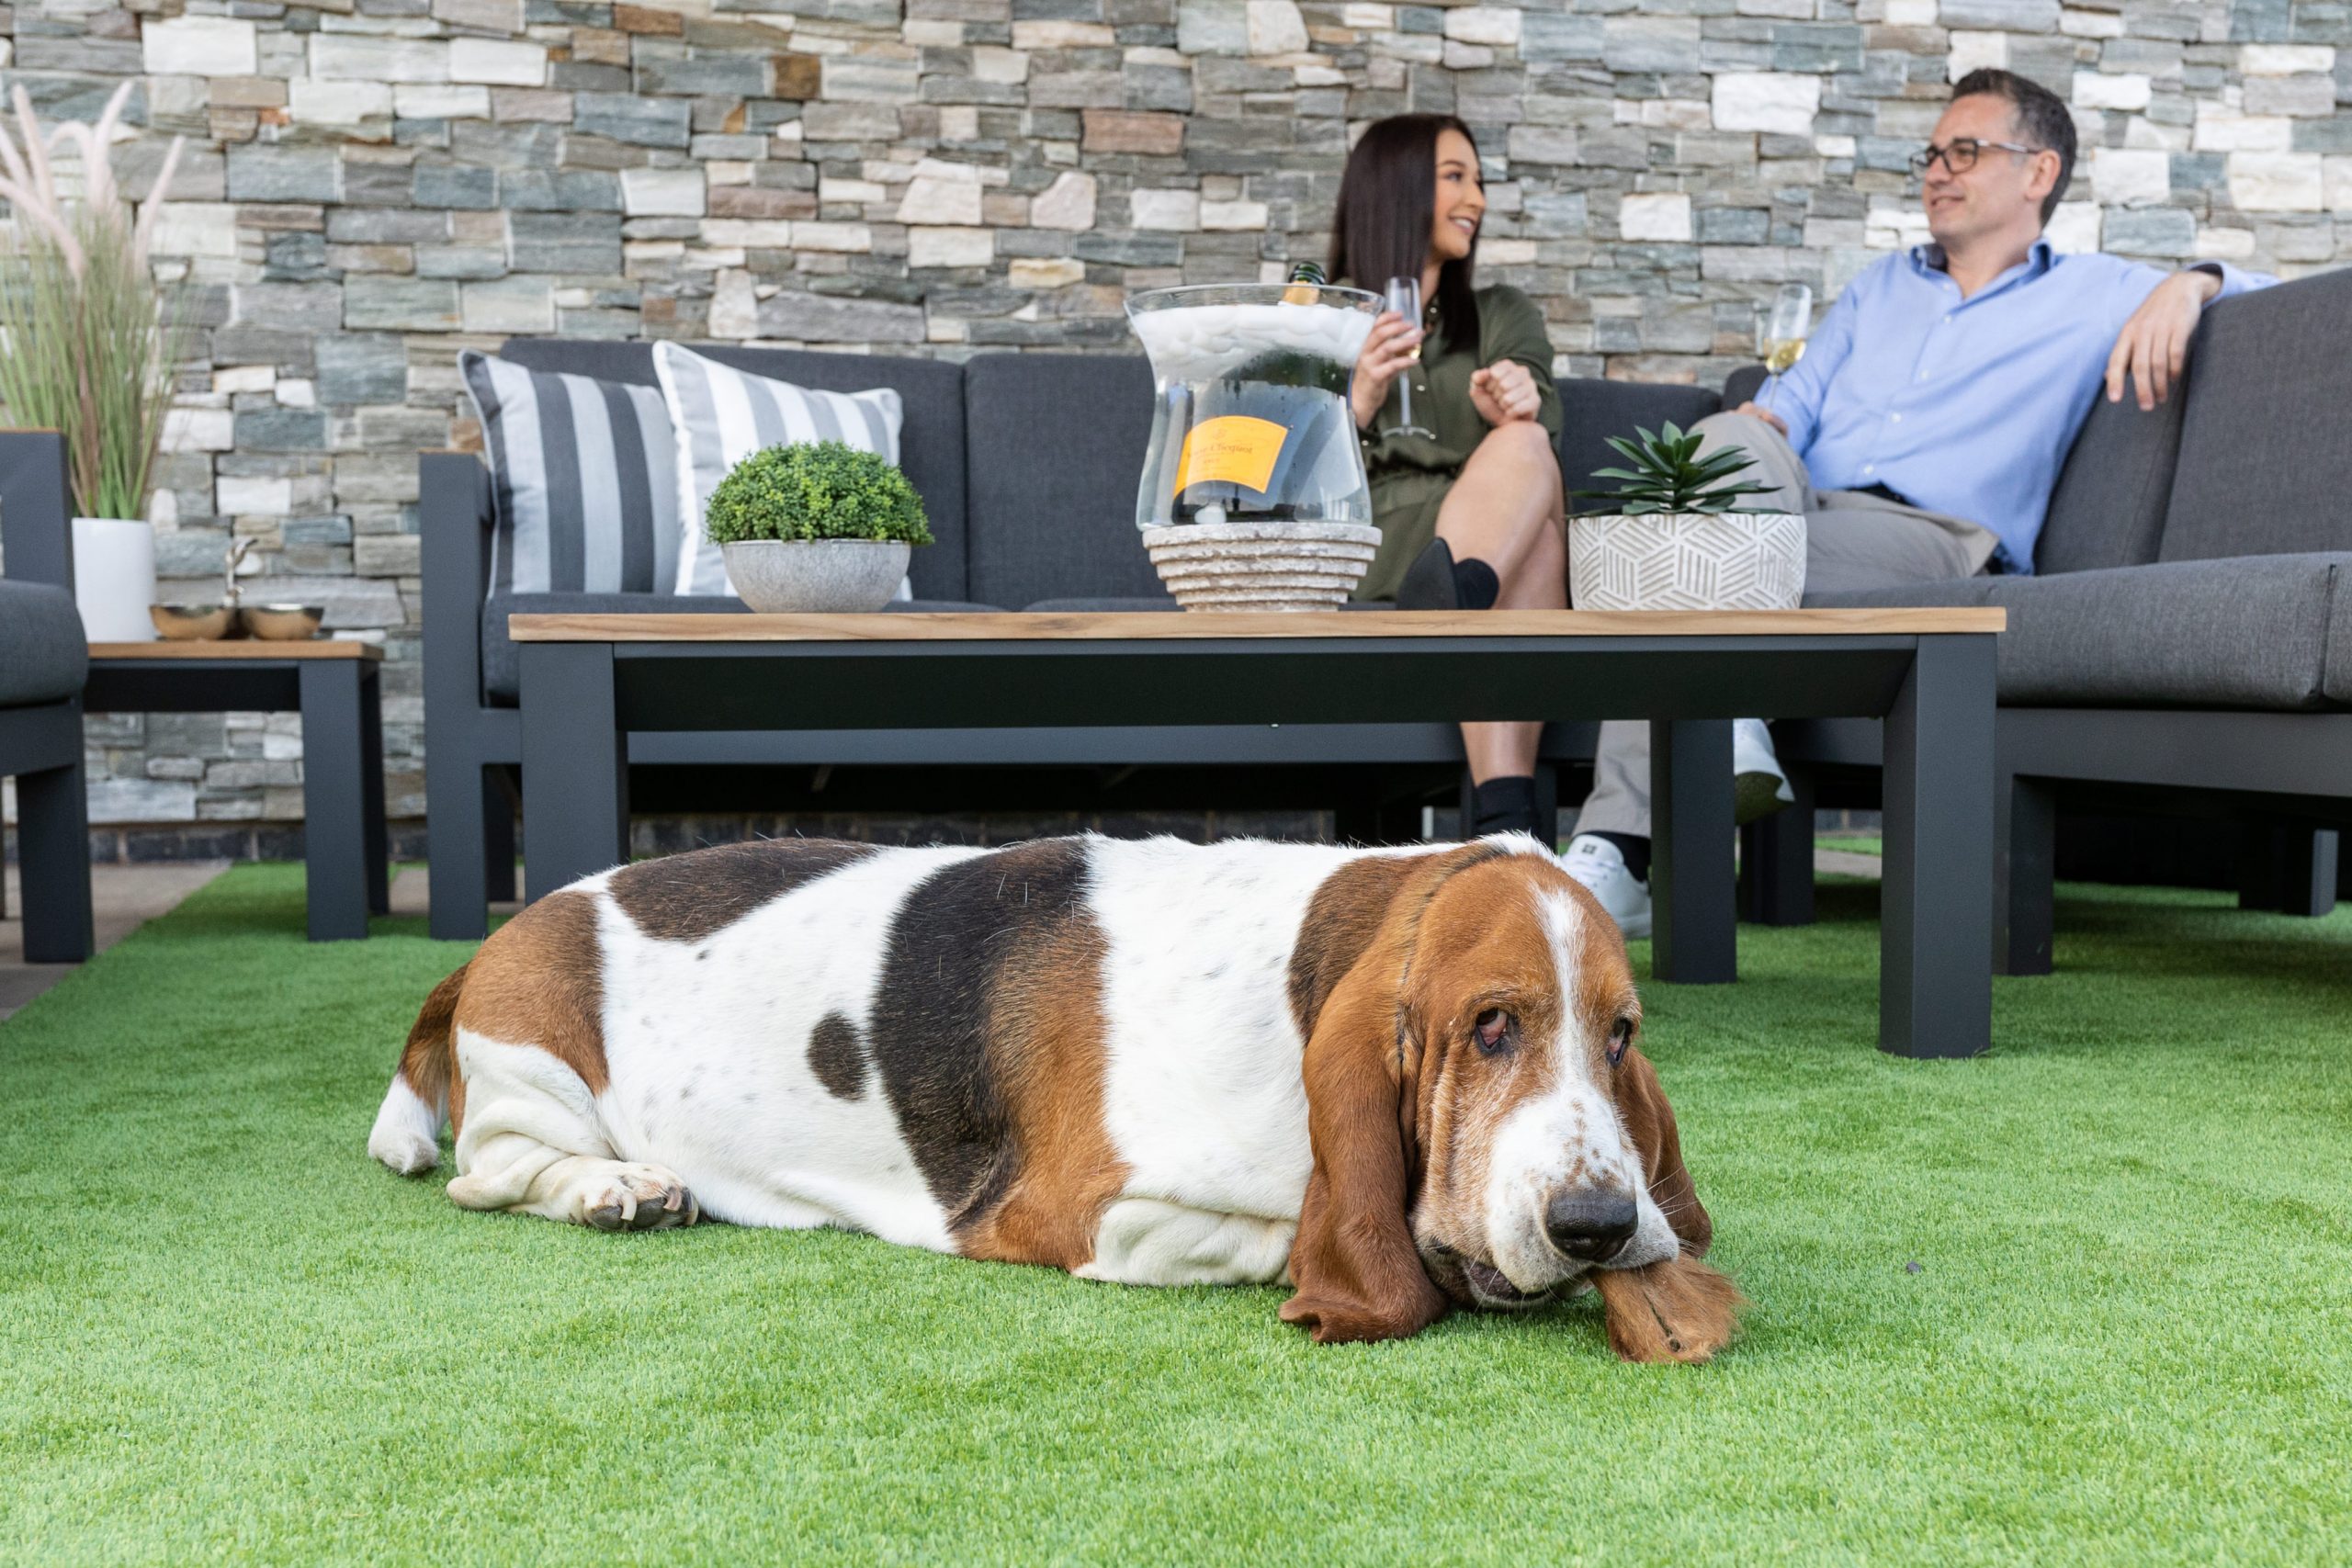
240 647
1008 626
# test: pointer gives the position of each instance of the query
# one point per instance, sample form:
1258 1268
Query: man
1924 428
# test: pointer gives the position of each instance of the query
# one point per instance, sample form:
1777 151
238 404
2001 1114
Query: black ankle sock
1504 806
1475 585
1637 851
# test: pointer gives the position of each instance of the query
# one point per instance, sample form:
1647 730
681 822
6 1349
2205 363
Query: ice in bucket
1252 422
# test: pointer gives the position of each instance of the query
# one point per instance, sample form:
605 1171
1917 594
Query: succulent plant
1668 476
818 490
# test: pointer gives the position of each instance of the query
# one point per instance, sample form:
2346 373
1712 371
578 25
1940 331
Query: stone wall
374 184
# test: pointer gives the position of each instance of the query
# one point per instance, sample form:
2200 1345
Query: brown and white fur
1392 1079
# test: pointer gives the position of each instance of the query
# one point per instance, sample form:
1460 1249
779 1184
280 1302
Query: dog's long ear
1357 1272
1651 1121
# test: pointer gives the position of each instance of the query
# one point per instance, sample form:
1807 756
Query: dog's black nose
1588 1227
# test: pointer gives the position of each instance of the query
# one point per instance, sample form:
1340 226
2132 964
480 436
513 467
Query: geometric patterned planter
1732 561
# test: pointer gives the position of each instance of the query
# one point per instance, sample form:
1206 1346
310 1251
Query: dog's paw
640 1198
1678 1310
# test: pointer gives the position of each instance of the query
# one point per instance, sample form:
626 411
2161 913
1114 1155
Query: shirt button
1947 320
1896 417
1870 468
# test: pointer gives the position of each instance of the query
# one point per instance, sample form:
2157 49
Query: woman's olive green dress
1410 474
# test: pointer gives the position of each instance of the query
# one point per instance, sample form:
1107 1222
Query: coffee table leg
1695 929
1936 905
371 778
334 798
575 765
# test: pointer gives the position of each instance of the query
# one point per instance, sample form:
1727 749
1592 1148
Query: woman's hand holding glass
1387 354
1505 391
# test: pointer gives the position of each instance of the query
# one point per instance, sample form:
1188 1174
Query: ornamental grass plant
89 341
819 490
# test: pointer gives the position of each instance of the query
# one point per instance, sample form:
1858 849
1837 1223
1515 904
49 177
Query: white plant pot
1732 561
1262 566
114 578
799 576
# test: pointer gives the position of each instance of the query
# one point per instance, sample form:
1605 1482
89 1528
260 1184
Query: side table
335 686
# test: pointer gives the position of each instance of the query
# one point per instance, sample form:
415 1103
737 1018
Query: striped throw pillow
583 480
721 415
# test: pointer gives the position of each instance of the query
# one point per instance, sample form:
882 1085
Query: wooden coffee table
589 679
335 688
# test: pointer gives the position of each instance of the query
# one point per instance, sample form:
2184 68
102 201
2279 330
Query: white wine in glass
1781 332
1405 299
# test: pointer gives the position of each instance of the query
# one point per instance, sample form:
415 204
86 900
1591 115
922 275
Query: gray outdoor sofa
1028 463
44 660
2185 644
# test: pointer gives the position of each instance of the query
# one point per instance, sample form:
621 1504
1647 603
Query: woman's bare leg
1507 509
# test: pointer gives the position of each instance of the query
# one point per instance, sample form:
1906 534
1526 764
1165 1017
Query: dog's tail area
407 1136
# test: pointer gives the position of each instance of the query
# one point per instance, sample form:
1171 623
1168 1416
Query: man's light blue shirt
1964 406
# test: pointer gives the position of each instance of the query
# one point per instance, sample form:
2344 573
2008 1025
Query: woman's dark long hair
1387 207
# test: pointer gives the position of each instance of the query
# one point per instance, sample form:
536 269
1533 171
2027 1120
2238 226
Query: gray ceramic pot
794 576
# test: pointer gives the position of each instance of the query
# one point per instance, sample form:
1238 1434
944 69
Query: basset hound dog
1395 1080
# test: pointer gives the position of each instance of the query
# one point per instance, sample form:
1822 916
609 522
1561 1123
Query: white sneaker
1759 787
1600 866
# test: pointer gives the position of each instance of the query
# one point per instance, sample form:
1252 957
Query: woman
1471 518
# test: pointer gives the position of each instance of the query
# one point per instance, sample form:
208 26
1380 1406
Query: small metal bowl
283 623
192 623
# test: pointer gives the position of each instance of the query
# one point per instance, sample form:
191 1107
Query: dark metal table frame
587 681
343 841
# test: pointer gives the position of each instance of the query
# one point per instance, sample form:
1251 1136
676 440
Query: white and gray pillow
583 480
720 415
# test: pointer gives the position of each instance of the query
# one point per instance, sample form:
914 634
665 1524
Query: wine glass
1781 332
1405 299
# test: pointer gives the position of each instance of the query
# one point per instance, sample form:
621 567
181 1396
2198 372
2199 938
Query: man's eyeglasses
1961 155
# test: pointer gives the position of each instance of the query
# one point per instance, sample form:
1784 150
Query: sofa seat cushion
501 664
2248 633
43 655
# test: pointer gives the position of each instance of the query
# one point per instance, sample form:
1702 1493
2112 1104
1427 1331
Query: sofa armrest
36 508
453 523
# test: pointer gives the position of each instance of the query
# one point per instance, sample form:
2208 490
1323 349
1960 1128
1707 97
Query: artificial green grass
2084 1299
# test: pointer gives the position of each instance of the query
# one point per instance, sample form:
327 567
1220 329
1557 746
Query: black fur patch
929 1031
687 897
837 1057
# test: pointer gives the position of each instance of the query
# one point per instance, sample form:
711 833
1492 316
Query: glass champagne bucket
1251 423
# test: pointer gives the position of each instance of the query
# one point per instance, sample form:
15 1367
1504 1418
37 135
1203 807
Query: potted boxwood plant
89 349
1675 536
816 526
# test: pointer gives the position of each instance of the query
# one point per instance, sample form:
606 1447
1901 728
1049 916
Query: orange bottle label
1233 449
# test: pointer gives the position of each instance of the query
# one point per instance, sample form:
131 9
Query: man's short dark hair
2040 114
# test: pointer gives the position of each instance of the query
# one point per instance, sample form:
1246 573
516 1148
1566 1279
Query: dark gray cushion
1966 591
1083 605
1057 446
930 436
2109 507
2250 633
1742 385
2336 679
501 666
1592 412
43 655
2264 465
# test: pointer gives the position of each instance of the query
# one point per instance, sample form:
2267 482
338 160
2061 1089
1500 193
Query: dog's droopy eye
1494 1029
1621 1035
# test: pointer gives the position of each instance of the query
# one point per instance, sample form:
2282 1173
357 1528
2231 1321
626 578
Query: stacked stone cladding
373 184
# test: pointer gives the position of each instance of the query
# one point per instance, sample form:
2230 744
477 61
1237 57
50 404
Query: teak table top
1011 626
240 647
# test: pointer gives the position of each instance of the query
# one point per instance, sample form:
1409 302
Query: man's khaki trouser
1853 540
